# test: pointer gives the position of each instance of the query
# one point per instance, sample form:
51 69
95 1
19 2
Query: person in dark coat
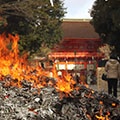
112 68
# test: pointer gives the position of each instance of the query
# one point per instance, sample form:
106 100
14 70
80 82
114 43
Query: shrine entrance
77 63
77 53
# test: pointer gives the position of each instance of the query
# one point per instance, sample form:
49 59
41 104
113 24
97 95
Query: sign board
79 66
73 66
90 66
70 66
61 66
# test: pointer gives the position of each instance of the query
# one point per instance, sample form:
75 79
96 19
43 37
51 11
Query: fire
17 68
103 118
100 112
113 104
64 83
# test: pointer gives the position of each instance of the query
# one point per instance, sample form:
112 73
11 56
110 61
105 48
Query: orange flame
113 104
18 69
100 112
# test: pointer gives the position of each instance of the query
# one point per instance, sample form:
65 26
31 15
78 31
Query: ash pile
29 103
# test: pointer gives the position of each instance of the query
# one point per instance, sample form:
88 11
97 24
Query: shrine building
79 48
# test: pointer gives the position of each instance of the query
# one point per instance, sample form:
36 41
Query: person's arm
119 72
106 67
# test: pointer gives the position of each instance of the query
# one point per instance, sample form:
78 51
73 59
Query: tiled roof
78 28
78 45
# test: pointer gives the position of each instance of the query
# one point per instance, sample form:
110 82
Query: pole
75 63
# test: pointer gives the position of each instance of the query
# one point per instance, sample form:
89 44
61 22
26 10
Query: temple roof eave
75 55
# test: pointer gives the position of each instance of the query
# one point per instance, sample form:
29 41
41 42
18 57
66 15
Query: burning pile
28 93
31 104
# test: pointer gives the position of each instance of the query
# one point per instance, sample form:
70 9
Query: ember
28 93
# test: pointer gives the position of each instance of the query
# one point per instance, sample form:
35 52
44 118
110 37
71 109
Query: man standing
112 69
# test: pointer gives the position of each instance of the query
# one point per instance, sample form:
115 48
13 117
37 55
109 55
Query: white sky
78 8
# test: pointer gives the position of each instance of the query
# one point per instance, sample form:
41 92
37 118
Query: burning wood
31 104
28 93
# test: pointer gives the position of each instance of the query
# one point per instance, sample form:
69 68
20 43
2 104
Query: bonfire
27 92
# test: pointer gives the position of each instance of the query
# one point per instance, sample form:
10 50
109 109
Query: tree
106 21
36 21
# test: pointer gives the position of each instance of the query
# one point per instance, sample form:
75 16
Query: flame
101 112
102 118
101 102
89 117
18 69
64 84
113 104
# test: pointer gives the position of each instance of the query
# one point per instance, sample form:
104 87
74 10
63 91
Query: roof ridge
75 20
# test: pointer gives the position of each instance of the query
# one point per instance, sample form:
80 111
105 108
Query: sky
78 9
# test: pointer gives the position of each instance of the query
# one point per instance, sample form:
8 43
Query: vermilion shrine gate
79 49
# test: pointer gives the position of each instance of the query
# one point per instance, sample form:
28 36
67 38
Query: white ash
28 104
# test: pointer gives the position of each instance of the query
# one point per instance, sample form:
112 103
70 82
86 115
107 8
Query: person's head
112 56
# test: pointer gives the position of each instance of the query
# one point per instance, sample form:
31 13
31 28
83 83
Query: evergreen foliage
35 21
106 21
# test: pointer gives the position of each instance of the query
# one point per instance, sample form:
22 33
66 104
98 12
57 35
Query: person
94 79
75 76
42 65
82 78
112 68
